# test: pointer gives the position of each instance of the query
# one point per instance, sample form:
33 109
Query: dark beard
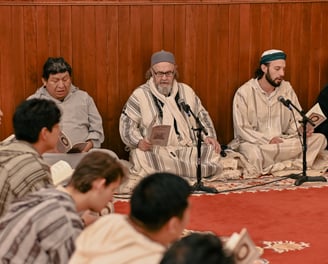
269 79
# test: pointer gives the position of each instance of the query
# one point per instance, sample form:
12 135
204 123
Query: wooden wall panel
217 44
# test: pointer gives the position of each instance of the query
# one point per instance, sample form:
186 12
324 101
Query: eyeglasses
161 74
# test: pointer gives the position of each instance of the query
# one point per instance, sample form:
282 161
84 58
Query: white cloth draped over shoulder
257 118
146 107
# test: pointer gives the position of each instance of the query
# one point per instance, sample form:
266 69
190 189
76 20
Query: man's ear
43 134
173 225
44 82
264 68
99 183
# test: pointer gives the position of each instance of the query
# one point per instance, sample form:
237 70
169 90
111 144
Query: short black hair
197 248
159 197
55 65
32 115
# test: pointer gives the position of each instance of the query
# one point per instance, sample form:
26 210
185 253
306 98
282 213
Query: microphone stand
301 178
199 186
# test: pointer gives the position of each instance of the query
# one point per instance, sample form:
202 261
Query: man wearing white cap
160 102
265 128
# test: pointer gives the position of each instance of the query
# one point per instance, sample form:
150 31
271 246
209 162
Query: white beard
164 90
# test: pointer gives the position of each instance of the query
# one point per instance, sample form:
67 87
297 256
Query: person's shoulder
286 84
77 94
107 227
184 85
111 218
52 200
39 93
77 91
247 86
17 148
286 87
17 154
141 89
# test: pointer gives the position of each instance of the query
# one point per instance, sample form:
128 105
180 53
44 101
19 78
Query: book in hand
242 247
316 115
159 135
61 172
64 144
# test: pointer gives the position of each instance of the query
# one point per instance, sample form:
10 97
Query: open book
242 247
64 144
316 115
61 172
159 134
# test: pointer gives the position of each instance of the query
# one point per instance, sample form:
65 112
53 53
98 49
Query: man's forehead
59 75
162 66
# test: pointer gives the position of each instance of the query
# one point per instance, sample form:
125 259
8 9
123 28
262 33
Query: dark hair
259 73
157 198
197 248
95 165
33 115
54 66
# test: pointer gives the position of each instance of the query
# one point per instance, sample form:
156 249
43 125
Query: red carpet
290 225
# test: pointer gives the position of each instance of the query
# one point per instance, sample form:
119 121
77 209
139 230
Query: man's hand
309 130
214 142
276 140
144 145
88 146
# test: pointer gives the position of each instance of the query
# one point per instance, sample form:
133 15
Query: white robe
258 117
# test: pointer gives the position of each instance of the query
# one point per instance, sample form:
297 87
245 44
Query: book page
61 172
242 248
316 115
160 135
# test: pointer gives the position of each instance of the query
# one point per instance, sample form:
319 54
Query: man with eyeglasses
161 101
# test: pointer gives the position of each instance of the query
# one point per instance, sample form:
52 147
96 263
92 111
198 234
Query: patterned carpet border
260 184
263 184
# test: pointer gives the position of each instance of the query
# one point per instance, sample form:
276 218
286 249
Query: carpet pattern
286 222
267 183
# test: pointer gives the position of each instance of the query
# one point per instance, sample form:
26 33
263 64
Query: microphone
184 106
189 112
284 101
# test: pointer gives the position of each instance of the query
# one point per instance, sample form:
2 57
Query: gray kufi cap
162 56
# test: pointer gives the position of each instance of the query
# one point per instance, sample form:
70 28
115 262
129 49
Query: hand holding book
64 144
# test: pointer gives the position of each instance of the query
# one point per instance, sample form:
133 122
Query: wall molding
144 2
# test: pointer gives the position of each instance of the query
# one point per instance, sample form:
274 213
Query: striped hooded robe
145 108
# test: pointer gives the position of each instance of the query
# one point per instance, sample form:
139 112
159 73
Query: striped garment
40 228
22 170
145 108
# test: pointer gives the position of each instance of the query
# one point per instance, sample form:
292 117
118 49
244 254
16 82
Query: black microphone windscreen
284 101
